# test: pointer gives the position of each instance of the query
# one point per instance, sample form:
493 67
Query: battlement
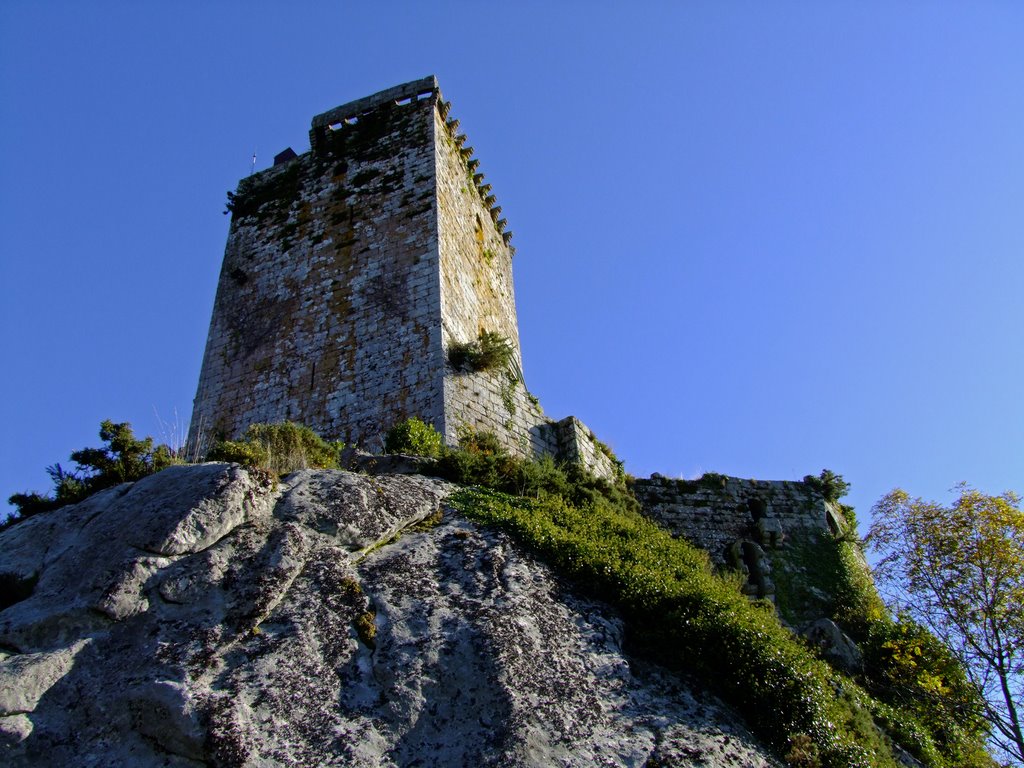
349 114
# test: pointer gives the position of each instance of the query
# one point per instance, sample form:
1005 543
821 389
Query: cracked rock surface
200 617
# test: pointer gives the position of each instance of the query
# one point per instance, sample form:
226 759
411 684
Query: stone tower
352 271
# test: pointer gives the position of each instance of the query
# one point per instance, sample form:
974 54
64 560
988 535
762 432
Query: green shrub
482 460
123 459
920 693
907 667
252 455
366 627
490 352
480 442
829 484
280 448
803 752
414 437
713 480
266 197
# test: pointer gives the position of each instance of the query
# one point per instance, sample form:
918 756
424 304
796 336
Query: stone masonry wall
716 511
328 305
577 443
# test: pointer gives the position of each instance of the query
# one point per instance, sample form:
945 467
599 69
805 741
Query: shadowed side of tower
350 273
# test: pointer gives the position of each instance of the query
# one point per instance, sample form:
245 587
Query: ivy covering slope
680 612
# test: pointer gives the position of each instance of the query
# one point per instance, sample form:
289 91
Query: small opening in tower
424 95
351 120
334 127
403 102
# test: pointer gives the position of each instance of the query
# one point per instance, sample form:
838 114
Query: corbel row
472 164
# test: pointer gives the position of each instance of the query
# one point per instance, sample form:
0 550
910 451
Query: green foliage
618 468
279 448
829 484
366 627
482 460
921 695
414 437
909 668
123 459
858 606
490 352
28 504
508 392
266 196
247 454
713 480
803 752
849 522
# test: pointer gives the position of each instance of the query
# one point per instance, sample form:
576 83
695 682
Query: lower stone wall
576 443
498 403
494 401
716 511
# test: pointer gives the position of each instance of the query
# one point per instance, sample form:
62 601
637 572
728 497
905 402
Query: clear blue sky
753 238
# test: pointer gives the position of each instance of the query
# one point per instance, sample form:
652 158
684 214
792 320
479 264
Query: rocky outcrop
834 645
202 616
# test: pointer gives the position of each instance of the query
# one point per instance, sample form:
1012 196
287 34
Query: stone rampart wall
716 511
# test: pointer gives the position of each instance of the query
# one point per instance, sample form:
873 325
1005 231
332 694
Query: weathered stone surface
14 729
93 560
356 460
835 646
359 511
290 627
25 677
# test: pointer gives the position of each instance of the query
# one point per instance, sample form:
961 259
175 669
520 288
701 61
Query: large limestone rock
202 617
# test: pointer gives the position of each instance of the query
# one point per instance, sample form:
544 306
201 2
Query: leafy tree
960 571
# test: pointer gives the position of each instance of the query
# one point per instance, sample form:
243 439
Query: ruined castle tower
350 274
